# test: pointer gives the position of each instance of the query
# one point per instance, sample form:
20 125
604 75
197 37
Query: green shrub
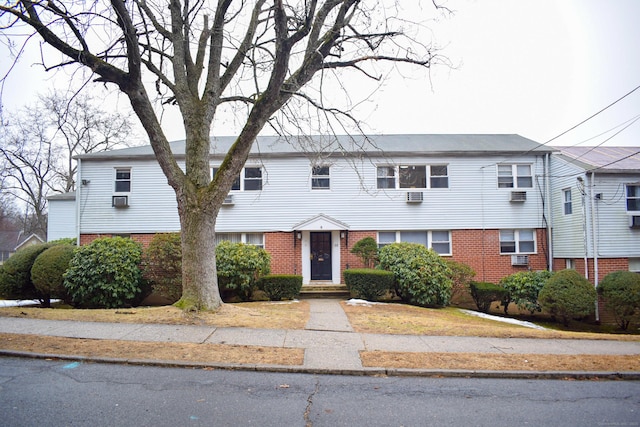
367 250
15 275
523 289
367 283
569 295
162 265
621 293
47 273
461 277
240 266
484 293
105 273
421 276
280 286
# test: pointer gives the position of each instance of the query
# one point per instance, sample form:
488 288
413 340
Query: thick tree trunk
199 278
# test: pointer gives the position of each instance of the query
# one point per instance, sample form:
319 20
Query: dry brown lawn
380 318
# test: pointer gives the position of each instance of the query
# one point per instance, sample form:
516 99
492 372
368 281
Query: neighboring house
11 241
477 199
596 210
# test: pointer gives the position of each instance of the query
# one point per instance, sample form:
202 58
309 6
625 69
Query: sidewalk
330 344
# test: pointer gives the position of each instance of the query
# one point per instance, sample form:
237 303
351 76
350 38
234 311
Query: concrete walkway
330 344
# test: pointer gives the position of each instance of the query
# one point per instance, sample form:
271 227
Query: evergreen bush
105 273
281 286
367 283
47 273
569 295
523 289
421 275
239 267
367 250
461 277
621 293
162 265
15 275
484 293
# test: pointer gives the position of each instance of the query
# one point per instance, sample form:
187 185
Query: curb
390 372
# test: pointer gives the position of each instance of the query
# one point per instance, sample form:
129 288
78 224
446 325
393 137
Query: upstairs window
320 179
633 197
252 179
517 242
439 177
386 177
514 176
123 181
413 176
567 203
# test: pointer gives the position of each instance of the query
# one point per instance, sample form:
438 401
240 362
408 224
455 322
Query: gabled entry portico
320 246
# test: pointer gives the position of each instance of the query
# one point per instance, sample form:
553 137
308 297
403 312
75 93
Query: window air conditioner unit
228 201
518 196
519 259
634 221
120 201
414 197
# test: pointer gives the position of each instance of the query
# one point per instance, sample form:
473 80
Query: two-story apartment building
478 199
596 210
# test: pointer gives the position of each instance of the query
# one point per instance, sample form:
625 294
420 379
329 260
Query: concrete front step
324 291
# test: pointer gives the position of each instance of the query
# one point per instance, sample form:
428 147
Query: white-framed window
412 176
517 241
123 180
634 265
256 239
515 176
570 263
567 201
320 178
252 179
438 240
386 177
633 197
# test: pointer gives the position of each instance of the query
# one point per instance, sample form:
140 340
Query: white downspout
594 237
78 197
547 172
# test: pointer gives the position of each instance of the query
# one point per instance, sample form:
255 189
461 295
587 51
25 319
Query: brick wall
286 254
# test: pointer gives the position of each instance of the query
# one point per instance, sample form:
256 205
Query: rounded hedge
422 276
368 283
621 293
523 289
281 286
239 266
162 265
15 274
47 273
484 293
105 273
569 295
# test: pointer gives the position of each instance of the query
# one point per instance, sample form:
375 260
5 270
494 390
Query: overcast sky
531 67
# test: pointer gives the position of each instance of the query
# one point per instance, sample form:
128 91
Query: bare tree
203 55
37 145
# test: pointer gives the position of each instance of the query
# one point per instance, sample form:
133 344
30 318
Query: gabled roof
9 240
381 145
320 222
603 159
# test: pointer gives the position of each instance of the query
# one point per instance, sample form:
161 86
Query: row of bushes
116 272
565 294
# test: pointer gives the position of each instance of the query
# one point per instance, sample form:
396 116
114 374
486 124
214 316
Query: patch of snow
20 303
502 319
356 301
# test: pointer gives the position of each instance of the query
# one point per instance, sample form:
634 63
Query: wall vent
228 201
414 196
518 196
634 221
519 259
120 201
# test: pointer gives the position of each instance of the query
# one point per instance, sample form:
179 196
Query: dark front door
321 256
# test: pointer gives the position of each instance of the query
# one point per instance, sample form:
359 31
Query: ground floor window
517 242
438 240
256 239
